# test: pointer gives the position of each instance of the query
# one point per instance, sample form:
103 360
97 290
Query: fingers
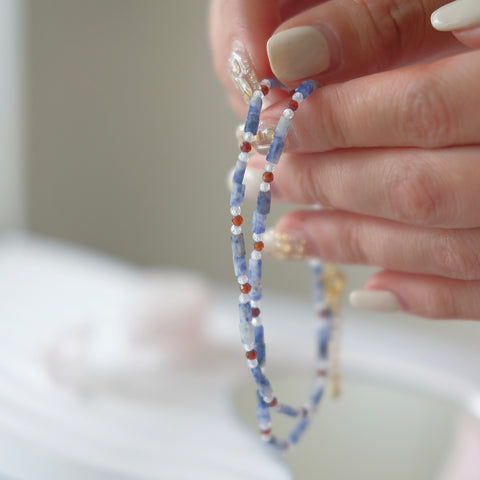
342 39
434 188
423 295
343 237
423 106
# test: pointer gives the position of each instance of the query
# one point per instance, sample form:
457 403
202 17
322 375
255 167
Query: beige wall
130 136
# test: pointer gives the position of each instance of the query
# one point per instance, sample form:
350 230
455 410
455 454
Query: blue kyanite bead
238 245
254 270
256 292
247 336
307 87
275 150
239 266
262 382
245 311
253 116
299 428
275 83
323 337
287 410
260 349
259 334
263 412
263 202
237 195
317 394
239 171
282 128
259 222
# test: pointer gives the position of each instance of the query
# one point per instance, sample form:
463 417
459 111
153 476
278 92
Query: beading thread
250 278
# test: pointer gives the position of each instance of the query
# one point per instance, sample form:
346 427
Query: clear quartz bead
266 82
256 255
298 97
252 363
288 113
256 321
243 157
257 237
242 279
243 298
236 230
235 211
248 137
264 187
257 94
270 167
255 303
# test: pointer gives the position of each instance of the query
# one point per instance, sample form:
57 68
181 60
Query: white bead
257 94
268 399
236 230
235 211
265 426
248 137
298 97
252 363
257 237
242 279
256 255
288 113
321 364
264 187
315 262
266 82
256 321
243 298
270 167
243 157
265 437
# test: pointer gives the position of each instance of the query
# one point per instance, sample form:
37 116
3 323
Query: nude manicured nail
298 53
375 300
242 71
457 15
285 245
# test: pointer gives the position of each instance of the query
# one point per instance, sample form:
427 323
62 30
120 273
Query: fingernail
251 179
457 15
298 53
285 245
241 70
375 300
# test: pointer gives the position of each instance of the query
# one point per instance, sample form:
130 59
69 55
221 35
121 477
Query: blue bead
262 382
263 412
263 202
239 266
237 195
259 334
260 349
323 337
254 270
275 150
317 394
307 87
256 292
238 245
275 83
239 172
299 428
245 311
287 410
259 222
253 116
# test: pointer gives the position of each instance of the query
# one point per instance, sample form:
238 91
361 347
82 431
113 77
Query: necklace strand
327 286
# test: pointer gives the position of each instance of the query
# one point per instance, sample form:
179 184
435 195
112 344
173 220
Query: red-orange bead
258 246
268 177
293 104
237 220
264 89
245 288
255 312
273 403
266 431
251 355
246 147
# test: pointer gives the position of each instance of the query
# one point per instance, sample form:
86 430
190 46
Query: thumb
462 17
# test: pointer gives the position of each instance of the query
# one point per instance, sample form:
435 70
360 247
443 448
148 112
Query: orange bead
258 246
246 147
264 89
268 177
293 105
273 403
245 288
251 355
237 220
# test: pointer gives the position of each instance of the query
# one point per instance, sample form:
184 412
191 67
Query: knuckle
354 250
426 119
457 257
414 196
439 303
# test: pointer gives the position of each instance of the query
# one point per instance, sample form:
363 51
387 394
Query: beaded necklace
327 283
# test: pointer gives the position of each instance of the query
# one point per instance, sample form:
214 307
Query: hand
391 144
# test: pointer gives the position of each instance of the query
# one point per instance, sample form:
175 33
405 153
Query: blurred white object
12 187
105 373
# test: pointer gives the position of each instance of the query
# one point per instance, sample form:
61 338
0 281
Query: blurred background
116 137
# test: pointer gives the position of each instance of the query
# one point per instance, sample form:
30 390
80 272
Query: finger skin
343 237
427 106
429 296
434 188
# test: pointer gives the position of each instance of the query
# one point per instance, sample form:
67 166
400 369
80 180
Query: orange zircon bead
237 220
245 288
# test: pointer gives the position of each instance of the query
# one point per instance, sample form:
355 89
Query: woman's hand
391 144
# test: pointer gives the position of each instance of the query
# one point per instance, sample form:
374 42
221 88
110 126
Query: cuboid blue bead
256 292
299 428
307 87
254 270
238 245
263 202
259 222
237 195
239 266
275 150
245 311
239 171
